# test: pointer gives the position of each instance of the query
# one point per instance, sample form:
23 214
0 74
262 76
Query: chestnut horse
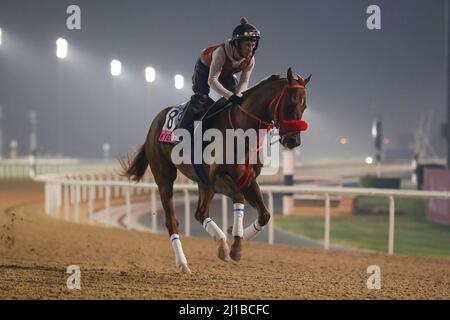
274 102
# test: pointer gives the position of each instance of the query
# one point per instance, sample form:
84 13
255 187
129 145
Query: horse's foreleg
226 185
253 195
202 216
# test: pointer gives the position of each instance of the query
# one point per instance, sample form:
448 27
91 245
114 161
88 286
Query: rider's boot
188 117
193 108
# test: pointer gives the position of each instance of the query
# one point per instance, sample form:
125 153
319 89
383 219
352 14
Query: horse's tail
135 169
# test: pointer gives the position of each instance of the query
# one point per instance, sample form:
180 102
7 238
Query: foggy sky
397 72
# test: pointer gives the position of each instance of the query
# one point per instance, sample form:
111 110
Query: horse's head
289 110
286 101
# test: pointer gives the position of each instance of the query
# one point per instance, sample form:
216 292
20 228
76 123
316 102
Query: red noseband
294 125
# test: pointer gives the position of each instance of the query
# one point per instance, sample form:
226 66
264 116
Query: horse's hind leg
165 173
202 216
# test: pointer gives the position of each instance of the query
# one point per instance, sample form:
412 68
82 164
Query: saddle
175 114
211 109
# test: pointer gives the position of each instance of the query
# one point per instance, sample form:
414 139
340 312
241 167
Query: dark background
397 72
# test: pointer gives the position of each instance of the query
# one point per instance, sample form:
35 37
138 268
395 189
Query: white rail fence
25 167
68 194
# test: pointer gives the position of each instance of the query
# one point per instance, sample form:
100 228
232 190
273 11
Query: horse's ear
307 80
290 76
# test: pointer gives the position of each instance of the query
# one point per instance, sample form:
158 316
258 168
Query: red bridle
288 126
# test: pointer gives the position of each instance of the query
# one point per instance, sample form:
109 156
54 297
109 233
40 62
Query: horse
274 102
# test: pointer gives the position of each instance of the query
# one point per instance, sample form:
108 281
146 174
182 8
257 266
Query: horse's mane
261 83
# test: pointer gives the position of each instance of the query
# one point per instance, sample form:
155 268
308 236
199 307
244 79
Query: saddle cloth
170 124
176 112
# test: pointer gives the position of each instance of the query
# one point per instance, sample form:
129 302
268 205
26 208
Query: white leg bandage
180 259
238 225
252 230
213 230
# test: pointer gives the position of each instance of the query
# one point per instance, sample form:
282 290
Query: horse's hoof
184 269
236 249
235 255
235 252
223 251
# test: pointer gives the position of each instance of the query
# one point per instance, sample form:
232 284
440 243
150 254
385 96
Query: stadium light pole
377 136
116 71
1 133
33 143
106 148
447 55
13 147
288 180
62 47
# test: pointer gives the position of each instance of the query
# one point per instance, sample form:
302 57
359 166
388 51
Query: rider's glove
235 99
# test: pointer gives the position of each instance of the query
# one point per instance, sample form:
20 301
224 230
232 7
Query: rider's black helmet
245 31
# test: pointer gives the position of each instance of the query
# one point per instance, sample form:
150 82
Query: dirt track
36 249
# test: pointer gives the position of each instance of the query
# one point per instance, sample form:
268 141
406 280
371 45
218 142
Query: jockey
216 67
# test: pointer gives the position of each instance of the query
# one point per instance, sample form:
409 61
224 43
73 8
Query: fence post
391 224
91 177
66 202
133 190
101 194
72 191
116 187
90 203
271 222
77 202
47 200
83 188
326 242
50 199
139 190
55 207
108 204
58 197
128 206
288 174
